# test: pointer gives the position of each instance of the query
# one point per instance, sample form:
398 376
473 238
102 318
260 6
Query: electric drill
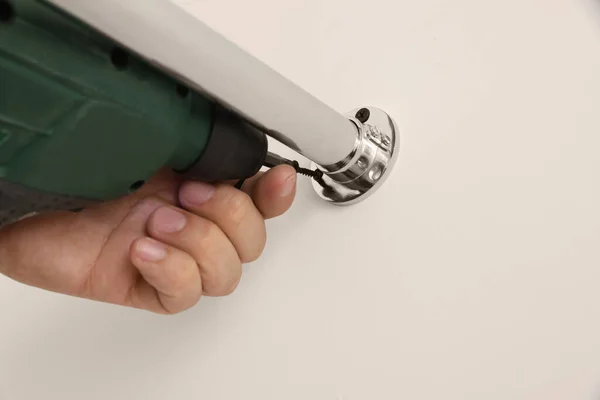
84 120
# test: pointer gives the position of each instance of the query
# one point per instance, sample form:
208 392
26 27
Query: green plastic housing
79 116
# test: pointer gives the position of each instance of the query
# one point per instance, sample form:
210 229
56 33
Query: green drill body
79 116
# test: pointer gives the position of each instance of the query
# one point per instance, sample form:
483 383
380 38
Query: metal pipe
169 37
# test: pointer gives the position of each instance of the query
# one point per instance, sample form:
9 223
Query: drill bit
274 160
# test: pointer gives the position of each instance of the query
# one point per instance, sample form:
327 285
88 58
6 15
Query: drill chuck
235 150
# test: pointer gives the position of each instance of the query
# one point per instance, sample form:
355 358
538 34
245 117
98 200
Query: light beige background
474 274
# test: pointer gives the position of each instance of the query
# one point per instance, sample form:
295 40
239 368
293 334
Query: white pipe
171 38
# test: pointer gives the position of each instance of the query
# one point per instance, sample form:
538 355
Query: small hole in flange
362 162
376 172
7 12
119 58
182 91
136 186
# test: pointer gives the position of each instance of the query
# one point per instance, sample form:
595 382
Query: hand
159 249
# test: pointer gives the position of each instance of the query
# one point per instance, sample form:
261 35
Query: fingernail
168 220
151 250
197 193
288 186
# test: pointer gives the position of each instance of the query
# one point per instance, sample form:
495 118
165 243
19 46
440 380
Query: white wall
473 274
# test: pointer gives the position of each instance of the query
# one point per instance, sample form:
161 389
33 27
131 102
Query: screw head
363 115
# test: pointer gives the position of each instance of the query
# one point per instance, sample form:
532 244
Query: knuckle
220 266
151 203
178 272
221 278
214 284
185 285
239 206
259 242
144 209
182 276
225 284
233 286
185 305
170 310
167 309
209 237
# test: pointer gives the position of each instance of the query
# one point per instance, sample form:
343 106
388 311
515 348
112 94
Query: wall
473 274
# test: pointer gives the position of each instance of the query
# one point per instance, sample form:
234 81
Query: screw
363 115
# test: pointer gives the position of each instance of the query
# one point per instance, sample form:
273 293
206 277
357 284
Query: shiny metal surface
366 169
179 43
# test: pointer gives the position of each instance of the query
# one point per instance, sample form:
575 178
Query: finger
275 180
274 192
233 211
205 242
171 277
